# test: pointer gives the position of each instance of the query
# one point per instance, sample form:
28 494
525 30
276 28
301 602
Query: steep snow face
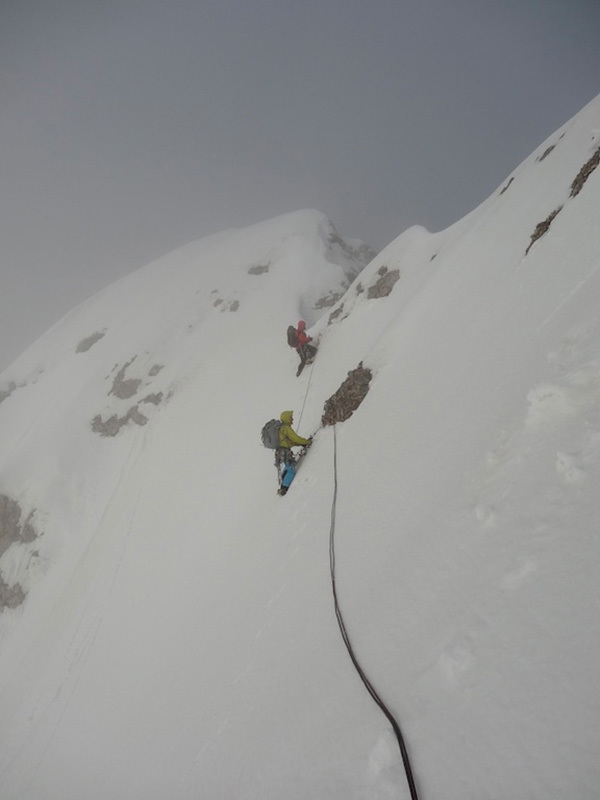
117 360
482 424
176 636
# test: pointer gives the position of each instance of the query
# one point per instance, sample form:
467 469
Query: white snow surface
177 637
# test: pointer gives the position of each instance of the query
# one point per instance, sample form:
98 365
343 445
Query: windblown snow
166 618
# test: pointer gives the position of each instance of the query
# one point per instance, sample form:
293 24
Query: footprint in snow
455 662
569 468
524 567
546 402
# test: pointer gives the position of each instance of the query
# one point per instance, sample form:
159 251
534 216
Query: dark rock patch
112 426
155 398
335 314
328 300
85 344
507 185
542 227
584 173
222 305
122 387
11 527
385 283
10 596
546 152
341 405
259 269
576 186
13 531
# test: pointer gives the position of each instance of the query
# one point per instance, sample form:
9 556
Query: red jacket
303 337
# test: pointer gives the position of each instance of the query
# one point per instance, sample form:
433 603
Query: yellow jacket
287 436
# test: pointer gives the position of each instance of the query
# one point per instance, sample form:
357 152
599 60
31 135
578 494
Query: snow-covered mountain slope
168 628
211 312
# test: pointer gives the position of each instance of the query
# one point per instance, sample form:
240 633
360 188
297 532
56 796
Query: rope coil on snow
368 685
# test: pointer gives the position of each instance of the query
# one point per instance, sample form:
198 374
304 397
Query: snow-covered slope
168 628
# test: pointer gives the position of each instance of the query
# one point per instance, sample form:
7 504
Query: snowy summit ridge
167 625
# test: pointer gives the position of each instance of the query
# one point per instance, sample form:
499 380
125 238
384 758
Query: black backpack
292 336
270 434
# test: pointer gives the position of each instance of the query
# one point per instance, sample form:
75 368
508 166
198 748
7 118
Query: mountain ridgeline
167 620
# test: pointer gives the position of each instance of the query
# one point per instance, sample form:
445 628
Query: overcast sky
130 127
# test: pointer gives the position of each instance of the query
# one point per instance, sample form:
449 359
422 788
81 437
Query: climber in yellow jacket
284 458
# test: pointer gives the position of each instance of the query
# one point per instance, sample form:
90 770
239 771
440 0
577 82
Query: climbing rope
368 685
312 366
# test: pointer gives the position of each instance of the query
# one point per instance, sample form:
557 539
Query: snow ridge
176 635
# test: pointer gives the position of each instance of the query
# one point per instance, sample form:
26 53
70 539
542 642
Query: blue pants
286 466
287 475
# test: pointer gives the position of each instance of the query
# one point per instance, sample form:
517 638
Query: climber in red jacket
300 340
